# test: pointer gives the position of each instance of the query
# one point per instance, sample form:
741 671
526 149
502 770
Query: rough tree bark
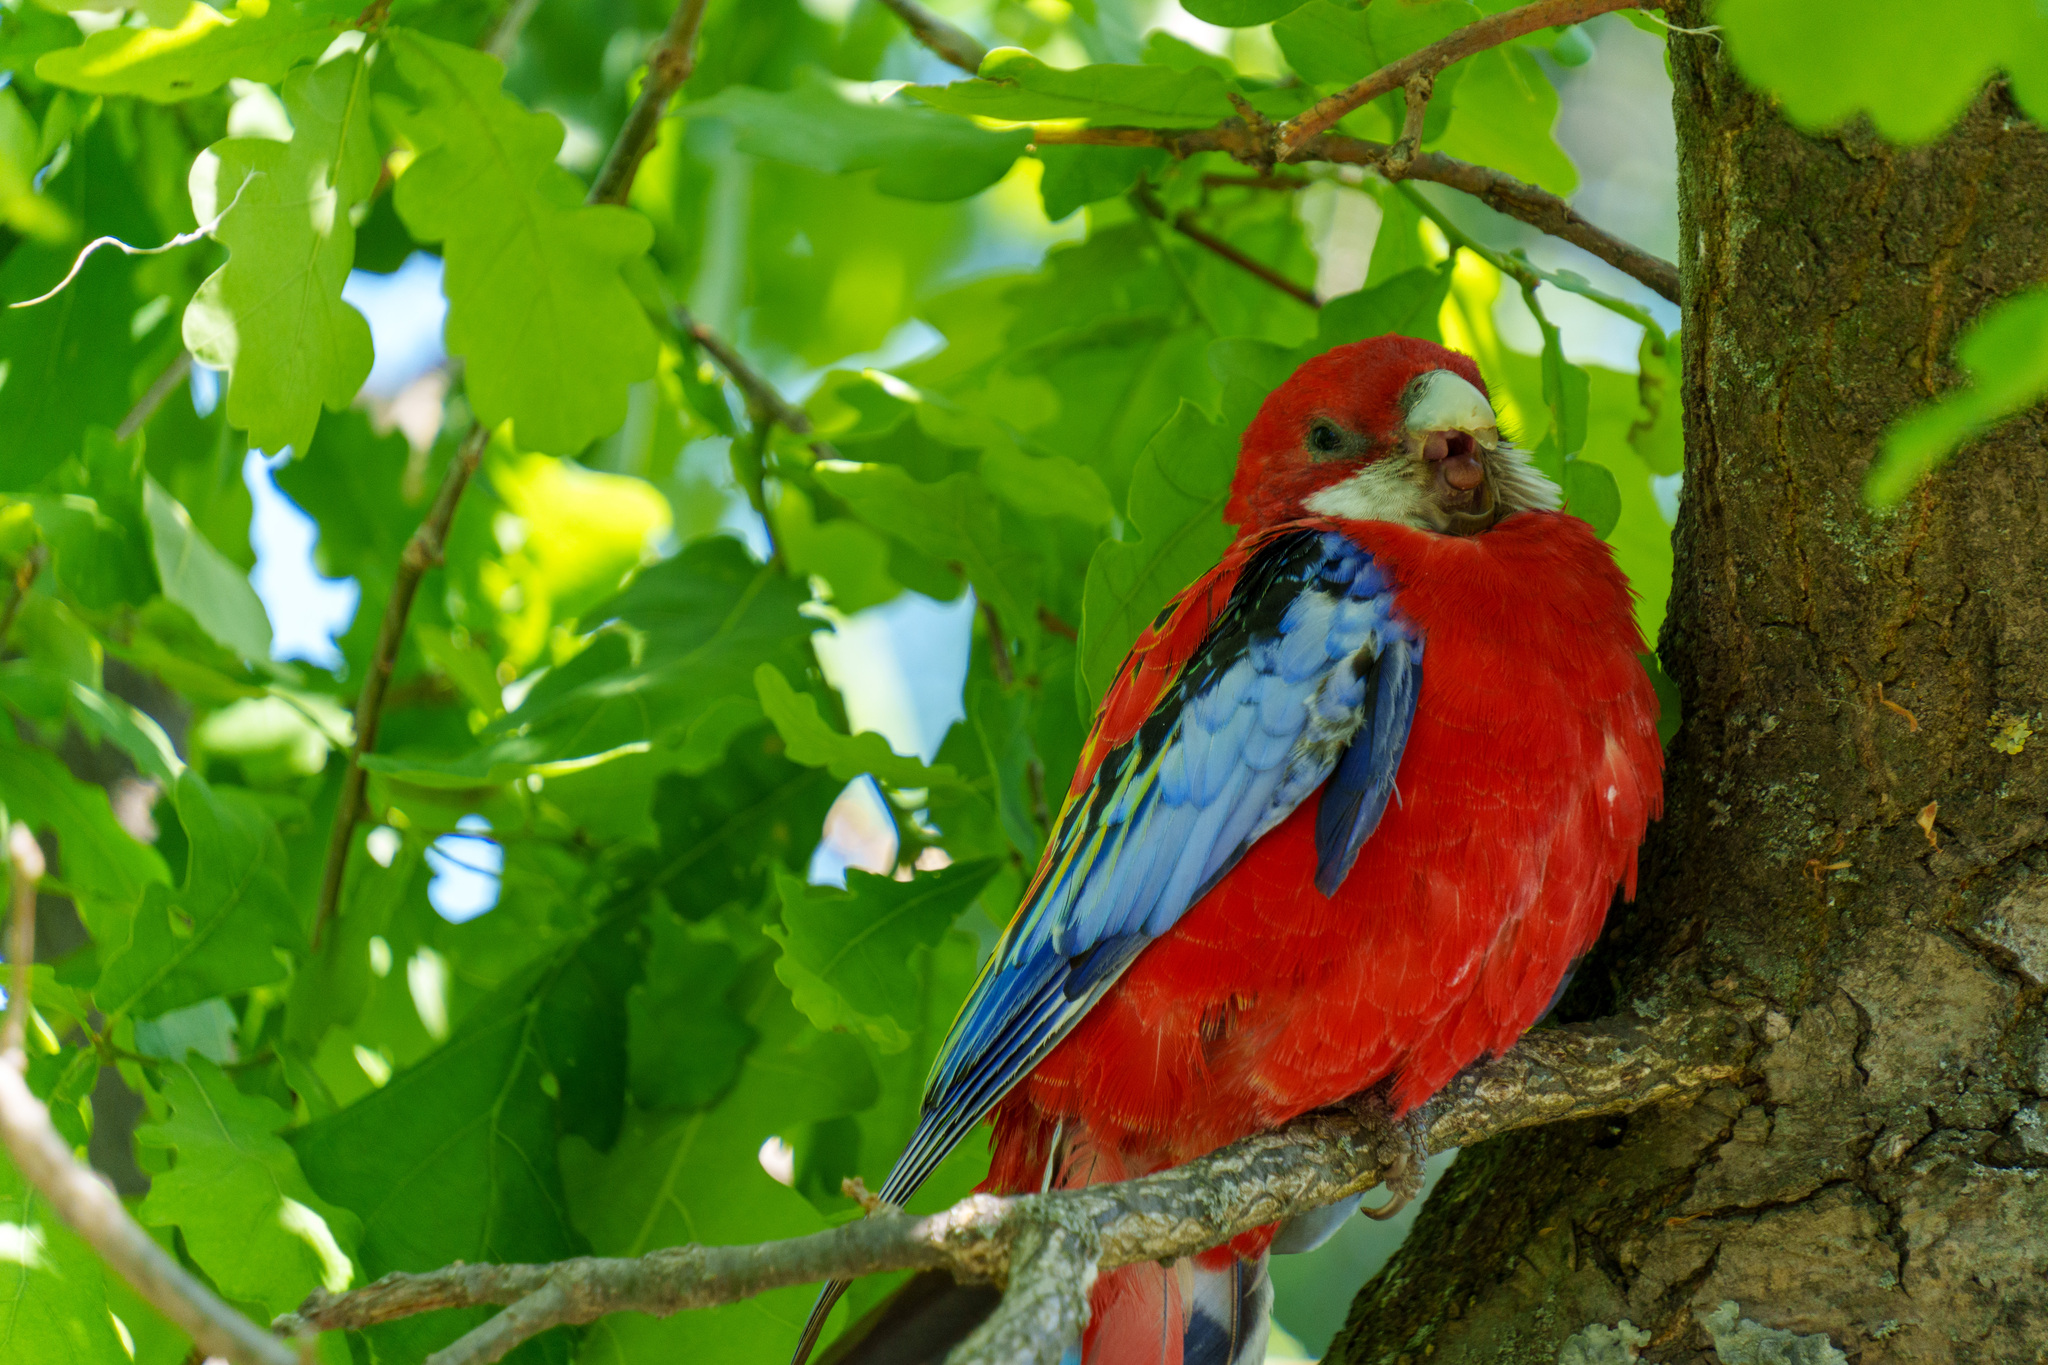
1880 1178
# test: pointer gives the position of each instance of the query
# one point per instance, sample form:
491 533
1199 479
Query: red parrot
1356 802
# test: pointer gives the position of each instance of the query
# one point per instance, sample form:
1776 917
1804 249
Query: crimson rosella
1356 802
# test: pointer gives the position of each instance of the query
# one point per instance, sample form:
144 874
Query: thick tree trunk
1849 679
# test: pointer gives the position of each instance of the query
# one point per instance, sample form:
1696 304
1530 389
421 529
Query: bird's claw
1406 1143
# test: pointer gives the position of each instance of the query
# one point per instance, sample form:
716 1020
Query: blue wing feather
1306 678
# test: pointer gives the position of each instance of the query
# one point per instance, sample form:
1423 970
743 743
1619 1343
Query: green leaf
920 154
955 520
1502 117
549 333
104 870
723 832
846 955
849 556
676 674
201 580
1658 432
454 1159
221 931
684 1040
22 206
1176 514
53 1289
1331 44
197 55
1074 176
272 317
814 743
1051 486
1912 67
1591 495
676 1179
1016 85
330 991
1238 13
1408 304
2006 353
237 1196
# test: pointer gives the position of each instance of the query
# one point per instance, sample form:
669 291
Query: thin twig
1496 189
953 44
504 35
81 1198
1295 134
1184 223
25 869
422 552
152 399
1418 91
669 64
759 392
1551 1075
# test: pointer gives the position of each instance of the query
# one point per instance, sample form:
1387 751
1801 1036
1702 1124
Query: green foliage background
602 671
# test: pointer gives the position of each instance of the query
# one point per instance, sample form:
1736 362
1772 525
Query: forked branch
1047 1248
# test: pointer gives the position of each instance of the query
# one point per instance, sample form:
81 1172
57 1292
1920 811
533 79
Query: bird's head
1387 429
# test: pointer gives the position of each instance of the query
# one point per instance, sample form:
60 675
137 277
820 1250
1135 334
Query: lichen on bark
1880 1176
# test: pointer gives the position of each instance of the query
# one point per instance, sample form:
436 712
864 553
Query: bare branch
421 553
760 393
953 44
669 64
503 36
25 860
1496 189
159 389
1419 89
1295 134
1185 224
1044 1245
80 1197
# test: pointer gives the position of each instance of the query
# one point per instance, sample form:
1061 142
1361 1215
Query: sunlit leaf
1016 85
53 1288
200 579
272 317
1912 67
2006 353
551 336
197 54
813 742
236 1194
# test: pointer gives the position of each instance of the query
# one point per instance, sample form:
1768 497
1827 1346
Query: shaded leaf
1176 516
220 931
201 580
53 1289
846 955
684 1040
724 831
919 154
103 869
1016 85
813 742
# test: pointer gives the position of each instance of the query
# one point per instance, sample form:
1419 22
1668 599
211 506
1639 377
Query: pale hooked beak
1453 429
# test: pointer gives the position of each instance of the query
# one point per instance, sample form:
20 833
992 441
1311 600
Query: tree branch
669 64
421 553
1295 134
1184 223
79 1196
159 389
953 44
1502 192
1047 1247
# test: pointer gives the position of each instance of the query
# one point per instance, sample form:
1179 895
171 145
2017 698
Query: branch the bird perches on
1047 1248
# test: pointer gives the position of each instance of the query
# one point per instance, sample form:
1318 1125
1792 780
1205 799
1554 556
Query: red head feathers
1387 429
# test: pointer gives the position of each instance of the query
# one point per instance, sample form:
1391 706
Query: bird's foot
1405 1143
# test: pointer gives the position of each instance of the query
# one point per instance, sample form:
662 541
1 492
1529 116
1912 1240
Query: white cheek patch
1376 493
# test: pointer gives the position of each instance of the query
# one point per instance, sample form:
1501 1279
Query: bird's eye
1325 439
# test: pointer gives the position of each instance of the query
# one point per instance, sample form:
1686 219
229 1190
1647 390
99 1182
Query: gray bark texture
1879 1177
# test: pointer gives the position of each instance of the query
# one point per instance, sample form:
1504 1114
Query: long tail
1211 1309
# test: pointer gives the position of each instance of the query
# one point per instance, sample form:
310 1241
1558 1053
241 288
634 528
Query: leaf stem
1184 223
